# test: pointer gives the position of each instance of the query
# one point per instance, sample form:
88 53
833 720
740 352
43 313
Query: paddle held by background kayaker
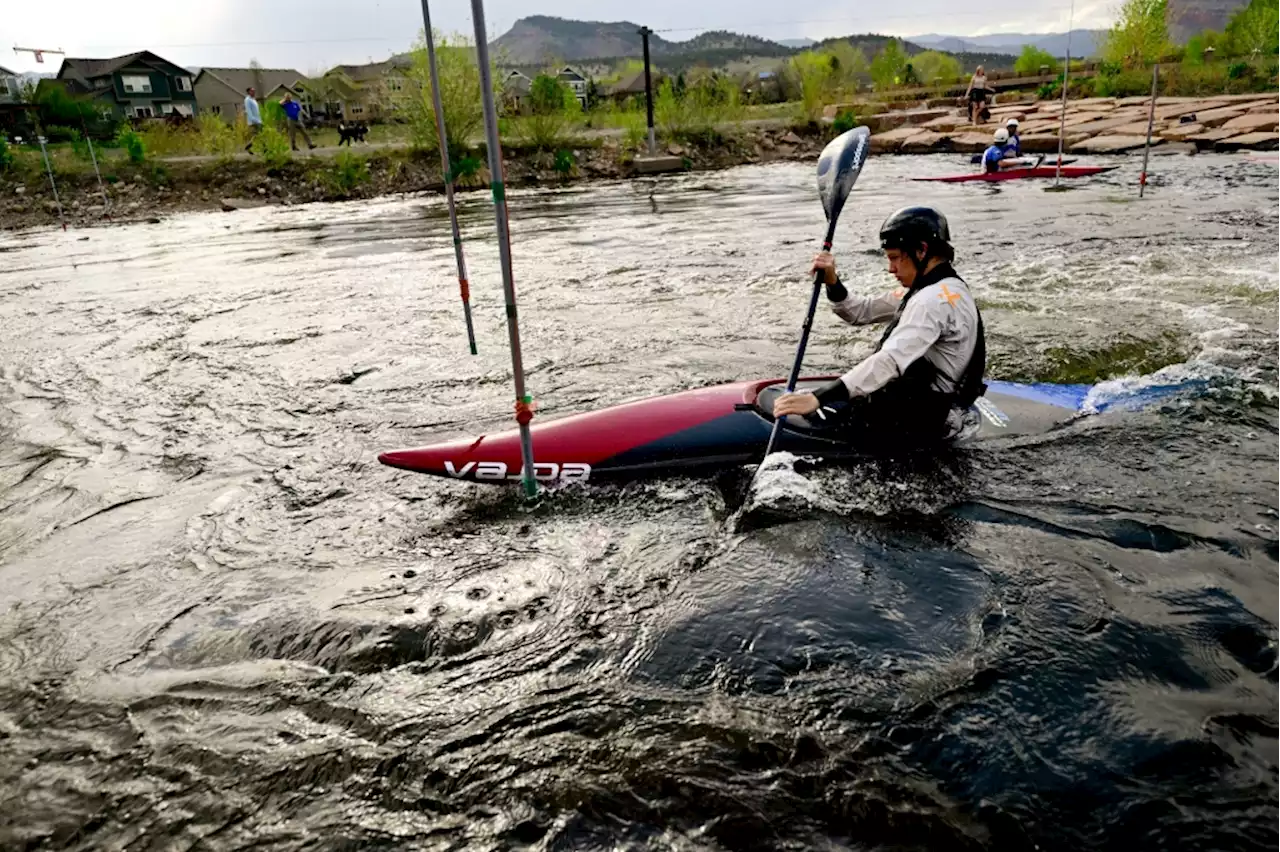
926 373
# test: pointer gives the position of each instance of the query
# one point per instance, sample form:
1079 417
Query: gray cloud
312 35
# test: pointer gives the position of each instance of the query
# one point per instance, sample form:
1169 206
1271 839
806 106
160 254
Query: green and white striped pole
464 286
524 410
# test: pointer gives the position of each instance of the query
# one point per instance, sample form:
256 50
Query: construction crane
38 51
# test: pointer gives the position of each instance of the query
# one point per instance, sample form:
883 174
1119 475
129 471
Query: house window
395 84
167 109
144 112
357 109
137 84
184 83
215 109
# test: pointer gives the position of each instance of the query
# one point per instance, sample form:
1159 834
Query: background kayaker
1015 142
996 152
920 383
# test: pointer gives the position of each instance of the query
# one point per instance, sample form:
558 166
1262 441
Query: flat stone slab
1253 122
1218 117
1047 143
1207 138
1250 141
1181 131
230 205
970 142
945 124
924 142
660 163
891 140
1111 144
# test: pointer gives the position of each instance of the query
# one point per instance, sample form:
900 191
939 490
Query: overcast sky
313 35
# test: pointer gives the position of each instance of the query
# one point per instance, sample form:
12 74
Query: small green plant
1238 70
7 160
845 120
564 162
350 170
273 146
216 136
131 141
465 167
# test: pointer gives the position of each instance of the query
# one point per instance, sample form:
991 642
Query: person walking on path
293 111
252 116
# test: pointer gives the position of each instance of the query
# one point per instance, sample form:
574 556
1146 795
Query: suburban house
221 91
576 82
137 85
10 86
632 85
516 86
378 90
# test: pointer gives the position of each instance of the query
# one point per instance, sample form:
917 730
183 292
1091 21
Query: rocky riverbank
1091 126
141 192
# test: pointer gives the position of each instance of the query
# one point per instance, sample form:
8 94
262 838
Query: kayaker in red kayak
999 151
927 370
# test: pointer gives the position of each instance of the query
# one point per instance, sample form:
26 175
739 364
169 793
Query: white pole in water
52 184
524 410
1151 120
464 286
1062 119
106 203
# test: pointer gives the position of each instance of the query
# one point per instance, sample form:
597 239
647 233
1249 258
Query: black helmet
911 226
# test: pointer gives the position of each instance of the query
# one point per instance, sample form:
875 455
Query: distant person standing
253 116
977 94
293 111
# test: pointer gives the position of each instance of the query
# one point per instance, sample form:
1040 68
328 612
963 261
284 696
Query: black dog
356 131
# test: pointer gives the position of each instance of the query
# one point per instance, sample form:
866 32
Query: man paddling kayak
927 370
997 152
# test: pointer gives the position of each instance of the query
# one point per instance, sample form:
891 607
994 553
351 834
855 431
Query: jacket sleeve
920 327
864 310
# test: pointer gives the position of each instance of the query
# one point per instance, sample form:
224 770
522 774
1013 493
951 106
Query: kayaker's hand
795 403
825 263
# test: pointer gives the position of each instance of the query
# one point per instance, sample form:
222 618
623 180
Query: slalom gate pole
524 402
464 286
1062 118
52 185
106 203
1151 120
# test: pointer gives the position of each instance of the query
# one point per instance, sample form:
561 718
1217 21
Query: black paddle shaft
804 336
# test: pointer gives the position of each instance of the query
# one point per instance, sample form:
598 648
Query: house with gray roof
136 85
221 91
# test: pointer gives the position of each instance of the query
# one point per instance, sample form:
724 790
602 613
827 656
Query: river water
223 624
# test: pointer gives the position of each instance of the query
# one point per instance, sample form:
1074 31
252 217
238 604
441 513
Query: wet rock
20 190
676 150
891 140
1209 137
791 139
1249 141
262 190
153 220
51 206
230 205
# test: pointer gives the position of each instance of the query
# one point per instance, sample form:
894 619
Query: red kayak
1014 174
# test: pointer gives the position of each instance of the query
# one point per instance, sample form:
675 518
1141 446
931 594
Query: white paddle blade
838 168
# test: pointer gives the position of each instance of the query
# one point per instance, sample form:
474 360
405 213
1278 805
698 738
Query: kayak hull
694 431
1017 174
1026 161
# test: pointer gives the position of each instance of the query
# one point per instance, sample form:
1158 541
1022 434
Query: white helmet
1002 136
1012 124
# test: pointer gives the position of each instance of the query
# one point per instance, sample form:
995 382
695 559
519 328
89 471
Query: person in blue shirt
293 112
252 116
1015 144
997 152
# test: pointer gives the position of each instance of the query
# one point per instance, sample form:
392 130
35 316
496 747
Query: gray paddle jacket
940 323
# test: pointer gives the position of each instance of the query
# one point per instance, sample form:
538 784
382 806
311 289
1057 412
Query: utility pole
645 32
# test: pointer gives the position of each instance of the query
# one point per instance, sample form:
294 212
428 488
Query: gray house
221 91
138 85
10 86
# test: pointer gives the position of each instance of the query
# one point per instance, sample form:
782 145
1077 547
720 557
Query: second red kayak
1014 174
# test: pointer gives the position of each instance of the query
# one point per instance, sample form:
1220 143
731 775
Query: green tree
1033 59
932 64
1140 35
1255 28
548 95
848 65
814 79
459 78
890 64
1193 53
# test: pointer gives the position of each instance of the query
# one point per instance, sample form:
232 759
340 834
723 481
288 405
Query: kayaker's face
901 267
